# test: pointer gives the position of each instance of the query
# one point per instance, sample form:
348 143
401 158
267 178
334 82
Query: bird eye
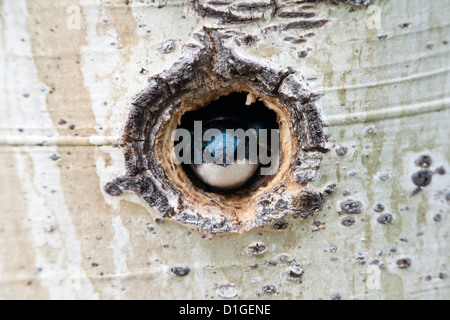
236 135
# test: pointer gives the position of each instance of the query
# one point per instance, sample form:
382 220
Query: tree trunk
70 70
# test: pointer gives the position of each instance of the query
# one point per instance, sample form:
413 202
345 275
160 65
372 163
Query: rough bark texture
71 70
208 70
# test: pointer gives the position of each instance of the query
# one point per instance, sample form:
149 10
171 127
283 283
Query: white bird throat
234 175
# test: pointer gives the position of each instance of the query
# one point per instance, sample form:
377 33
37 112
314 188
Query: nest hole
238 110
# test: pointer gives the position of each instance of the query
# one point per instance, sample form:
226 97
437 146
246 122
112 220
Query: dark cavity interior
232 107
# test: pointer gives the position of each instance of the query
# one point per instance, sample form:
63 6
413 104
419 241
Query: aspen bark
69 72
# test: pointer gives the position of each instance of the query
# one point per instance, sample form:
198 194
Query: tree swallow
229 152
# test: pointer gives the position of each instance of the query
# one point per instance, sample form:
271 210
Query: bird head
226 140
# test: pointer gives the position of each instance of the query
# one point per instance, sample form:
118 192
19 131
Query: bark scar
212 67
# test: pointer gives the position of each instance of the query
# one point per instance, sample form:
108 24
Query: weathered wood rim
211 68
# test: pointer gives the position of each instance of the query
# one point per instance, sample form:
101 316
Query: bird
232 171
